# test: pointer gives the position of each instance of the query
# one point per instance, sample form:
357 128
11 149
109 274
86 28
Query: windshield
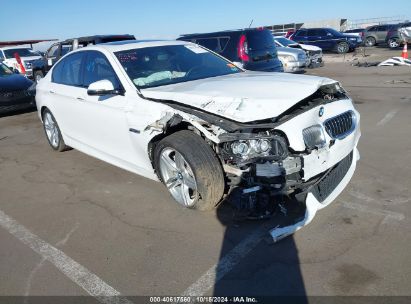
163 65
284 41
4 70
23 52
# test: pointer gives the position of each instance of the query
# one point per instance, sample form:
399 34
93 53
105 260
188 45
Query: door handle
80 98
52 92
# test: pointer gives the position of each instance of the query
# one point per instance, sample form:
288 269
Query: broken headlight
314 137
333 89
258 147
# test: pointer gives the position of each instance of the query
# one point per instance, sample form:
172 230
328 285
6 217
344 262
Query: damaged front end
294 164
296 167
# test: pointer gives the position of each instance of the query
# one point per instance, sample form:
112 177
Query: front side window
98 68
164 65
68 70
22 52
1 54
301 33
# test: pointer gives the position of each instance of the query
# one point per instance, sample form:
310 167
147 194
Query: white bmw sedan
175 112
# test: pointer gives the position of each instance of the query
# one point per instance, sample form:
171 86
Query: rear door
381 33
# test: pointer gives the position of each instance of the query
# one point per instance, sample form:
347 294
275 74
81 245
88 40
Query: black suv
253 49
59 49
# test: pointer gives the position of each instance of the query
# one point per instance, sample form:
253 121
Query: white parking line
225 265
388 215
80 275
390 115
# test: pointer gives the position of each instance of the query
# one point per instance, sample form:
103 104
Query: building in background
339 24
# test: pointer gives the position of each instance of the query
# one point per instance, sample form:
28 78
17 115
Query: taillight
243 49
362 34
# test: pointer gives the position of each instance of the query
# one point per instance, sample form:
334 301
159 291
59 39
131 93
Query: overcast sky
167 19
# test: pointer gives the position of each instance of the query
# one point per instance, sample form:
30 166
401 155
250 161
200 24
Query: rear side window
209 43
260 39
320 32
97 67
68 71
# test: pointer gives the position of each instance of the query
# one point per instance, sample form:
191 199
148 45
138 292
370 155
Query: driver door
101 120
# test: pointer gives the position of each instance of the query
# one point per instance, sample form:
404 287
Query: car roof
14 47
131 44
96 37
227 32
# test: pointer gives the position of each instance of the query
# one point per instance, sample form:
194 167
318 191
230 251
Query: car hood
243 97
309 47
14 82
289 51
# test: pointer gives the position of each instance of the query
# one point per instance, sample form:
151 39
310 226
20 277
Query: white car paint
101 126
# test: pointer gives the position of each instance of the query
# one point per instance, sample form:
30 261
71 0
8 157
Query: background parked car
376 34
26 55
253 49
327 39
59 49
314 53
16 91
394 39
360 32
293 60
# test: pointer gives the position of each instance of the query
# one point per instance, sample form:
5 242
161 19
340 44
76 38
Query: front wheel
190 170
393 43
343 48
53 133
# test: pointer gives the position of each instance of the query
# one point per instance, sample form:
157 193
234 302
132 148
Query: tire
393 43
37 75
370 41
52 131
190 170
343 47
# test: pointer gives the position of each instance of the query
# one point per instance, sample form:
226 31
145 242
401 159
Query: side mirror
102 87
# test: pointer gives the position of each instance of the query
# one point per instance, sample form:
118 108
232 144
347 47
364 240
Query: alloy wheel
52 130
178 177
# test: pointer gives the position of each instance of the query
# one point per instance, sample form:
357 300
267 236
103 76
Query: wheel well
168 131
43 108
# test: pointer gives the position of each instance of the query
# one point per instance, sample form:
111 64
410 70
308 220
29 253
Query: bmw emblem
321 112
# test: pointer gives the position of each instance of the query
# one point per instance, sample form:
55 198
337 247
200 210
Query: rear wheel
393 43
342 47
370 41
53 133
190 170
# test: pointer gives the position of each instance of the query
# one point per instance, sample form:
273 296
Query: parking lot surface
73 225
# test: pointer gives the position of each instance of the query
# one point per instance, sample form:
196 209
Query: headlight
288 58
314 137
333 88
274 146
